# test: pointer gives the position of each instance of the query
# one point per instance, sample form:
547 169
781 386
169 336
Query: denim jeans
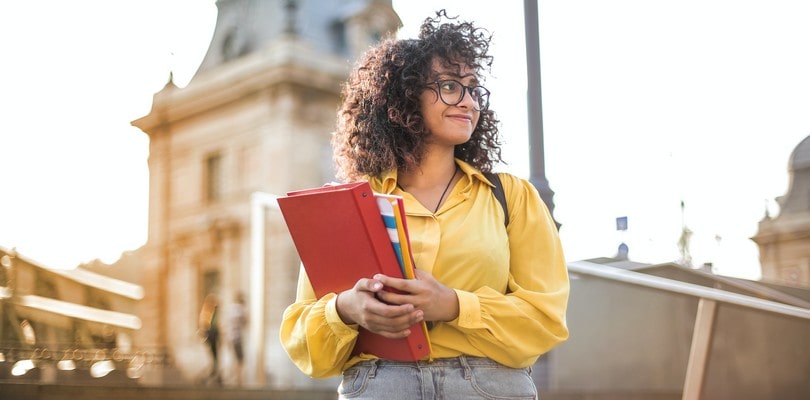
442 379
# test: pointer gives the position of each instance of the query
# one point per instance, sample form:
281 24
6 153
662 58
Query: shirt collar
387 181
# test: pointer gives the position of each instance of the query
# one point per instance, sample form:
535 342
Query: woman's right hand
360 305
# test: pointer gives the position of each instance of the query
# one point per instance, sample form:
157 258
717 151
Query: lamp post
535 107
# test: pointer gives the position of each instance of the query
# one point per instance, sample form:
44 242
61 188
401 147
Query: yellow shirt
512 284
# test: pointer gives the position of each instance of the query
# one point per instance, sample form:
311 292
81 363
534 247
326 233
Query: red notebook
340 237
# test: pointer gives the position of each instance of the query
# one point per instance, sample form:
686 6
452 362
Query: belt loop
372 372
464 364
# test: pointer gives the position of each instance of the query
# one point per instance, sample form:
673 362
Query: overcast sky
645 104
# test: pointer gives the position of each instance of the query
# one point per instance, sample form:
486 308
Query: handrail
671 285
79 311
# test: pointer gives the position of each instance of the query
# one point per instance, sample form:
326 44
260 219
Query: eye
449 86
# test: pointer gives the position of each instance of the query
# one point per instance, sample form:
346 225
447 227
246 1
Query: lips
464 117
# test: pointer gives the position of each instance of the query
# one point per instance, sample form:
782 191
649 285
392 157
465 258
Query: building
784 240
59 326
254 122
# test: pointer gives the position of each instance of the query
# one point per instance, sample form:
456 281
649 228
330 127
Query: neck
431 183
433 171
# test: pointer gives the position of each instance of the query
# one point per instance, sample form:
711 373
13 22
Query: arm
529 319
504 303
312 333
319 335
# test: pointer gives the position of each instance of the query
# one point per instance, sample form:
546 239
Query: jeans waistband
457 362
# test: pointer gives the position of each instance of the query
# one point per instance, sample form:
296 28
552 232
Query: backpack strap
499 194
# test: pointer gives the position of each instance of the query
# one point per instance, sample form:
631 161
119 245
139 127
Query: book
394 206
402 241
386 205
340 235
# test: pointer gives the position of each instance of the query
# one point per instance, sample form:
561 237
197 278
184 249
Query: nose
467 100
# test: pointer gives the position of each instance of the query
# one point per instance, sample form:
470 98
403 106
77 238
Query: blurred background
145 141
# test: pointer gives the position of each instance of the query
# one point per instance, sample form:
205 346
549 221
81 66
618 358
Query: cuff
469 310
333 319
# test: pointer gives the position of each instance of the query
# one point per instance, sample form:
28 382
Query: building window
210 283
213 178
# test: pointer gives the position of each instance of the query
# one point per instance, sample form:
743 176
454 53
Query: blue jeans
446 379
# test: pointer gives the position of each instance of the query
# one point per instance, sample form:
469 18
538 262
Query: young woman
416 122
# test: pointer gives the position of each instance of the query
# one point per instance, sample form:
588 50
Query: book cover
340 235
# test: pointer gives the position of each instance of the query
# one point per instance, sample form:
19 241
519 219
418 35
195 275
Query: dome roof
800 158
797 199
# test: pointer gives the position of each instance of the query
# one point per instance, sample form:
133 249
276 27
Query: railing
704 321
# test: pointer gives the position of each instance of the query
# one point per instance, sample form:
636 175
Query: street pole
535 107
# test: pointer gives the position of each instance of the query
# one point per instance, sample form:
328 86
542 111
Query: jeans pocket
354 381
503 382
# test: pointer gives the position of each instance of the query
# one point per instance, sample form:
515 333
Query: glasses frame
464 90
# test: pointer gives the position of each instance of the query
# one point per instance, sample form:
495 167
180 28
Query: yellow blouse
512 284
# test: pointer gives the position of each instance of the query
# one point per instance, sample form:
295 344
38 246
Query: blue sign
621 223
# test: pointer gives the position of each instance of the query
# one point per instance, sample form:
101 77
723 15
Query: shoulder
515 186
521 196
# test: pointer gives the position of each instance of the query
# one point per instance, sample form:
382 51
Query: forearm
315 338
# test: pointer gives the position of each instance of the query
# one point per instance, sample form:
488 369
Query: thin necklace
445 190
455 171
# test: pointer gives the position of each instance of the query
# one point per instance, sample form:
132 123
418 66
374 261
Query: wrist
451 299
340 309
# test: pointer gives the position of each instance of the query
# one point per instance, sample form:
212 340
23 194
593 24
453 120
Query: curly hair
380 126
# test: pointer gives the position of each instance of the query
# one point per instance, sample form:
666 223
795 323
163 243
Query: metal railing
706 312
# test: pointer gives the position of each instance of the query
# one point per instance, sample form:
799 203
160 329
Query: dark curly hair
380 126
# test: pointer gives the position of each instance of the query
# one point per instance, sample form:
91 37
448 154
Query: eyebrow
454 75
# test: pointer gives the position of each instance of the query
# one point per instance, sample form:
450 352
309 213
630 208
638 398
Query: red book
340 237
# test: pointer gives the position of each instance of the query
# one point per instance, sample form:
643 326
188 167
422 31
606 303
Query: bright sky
645 103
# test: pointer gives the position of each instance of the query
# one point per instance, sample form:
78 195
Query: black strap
499 194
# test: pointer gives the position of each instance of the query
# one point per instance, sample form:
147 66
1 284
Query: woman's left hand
437 301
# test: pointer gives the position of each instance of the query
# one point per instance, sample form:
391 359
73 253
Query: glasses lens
452 92
481 97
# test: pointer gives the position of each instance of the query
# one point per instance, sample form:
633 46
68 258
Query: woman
415 122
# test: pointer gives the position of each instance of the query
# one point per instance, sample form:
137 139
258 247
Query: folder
393 205
392 227
340 235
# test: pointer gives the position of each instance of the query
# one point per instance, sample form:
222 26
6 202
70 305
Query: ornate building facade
255 119
784 241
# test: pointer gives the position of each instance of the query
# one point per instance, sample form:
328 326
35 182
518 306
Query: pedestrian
237 321
415 121
209 329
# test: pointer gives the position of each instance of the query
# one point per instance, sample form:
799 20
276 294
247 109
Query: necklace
455 171
445 190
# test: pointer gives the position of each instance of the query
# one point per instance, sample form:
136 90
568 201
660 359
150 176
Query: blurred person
209 330
237 320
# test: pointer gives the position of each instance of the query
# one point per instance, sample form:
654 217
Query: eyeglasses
452 92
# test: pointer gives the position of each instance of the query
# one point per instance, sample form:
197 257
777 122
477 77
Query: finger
395 283
369 285
392 298
395 335
379 324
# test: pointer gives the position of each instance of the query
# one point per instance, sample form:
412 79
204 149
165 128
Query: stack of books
347 232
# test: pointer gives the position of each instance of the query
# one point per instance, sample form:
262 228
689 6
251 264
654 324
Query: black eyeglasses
452 92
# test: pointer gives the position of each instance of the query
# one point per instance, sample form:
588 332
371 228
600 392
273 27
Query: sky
646 104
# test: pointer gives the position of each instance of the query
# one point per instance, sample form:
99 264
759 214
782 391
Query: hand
437 301
360 305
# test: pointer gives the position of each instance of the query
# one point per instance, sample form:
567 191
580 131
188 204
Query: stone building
60 326
255 120
784 240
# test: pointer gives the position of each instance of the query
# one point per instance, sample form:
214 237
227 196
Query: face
449 125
